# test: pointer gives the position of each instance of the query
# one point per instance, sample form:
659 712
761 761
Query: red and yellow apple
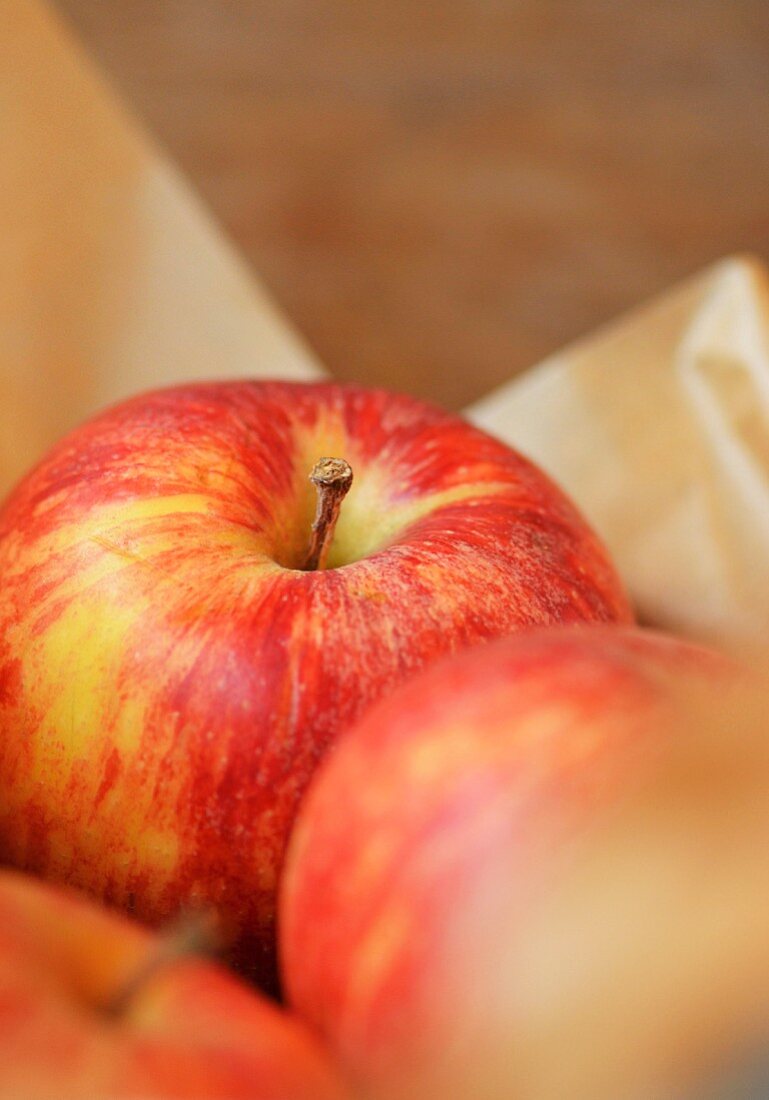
76 1024
540 870
171 674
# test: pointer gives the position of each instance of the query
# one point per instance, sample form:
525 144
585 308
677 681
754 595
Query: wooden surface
441 194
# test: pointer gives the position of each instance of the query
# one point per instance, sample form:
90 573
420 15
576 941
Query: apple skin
169 677
539 870
190 1031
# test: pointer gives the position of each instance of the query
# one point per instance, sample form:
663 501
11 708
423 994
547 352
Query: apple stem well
332 477
191 935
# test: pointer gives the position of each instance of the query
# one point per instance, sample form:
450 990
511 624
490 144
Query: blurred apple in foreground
540 871
89 1010
174 658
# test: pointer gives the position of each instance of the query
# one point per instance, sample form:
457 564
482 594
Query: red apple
540 870
84 1017
170 675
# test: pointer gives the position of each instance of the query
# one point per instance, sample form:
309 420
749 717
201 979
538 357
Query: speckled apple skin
409 922
169 678
190 1031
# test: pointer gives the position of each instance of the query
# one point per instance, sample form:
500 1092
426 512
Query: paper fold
658 427
113 277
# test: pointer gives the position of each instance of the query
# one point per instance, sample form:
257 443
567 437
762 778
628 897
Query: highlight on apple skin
170 674
186 1030
550 877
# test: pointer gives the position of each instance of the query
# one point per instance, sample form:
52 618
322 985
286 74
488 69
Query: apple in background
75 1023
540 870
171 671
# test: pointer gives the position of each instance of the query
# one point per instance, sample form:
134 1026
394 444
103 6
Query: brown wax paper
658 427
113 278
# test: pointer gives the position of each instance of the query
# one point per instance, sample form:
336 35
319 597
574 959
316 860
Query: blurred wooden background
440 195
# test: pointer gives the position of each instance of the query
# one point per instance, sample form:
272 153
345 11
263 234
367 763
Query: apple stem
191 934
332 477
